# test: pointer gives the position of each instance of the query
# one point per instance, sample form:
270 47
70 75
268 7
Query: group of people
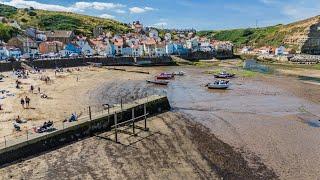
21 73
45 127
32 89
74 117
46 79
25 102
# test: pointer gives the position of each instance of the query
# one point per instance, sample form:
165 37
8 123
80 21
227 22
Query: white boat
180 73
219 84
224 75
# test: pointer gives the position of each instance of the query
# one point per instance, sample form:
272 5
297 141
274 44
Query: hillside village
141 41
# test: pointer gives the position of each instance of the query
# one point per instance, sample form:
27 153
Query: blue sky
198 14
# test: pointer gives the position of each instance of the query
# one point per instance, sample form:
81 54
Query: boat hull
158 82
215 86
224 76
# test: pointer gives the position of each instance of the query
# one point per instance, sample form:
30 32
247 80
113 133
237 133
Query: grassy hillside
272 35
255 37
6 32
49 20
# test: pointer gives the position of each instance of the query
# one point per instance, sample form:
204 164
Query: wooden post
133 130
108 114
145 116
121 104
90 113
90 120
121 110
116 126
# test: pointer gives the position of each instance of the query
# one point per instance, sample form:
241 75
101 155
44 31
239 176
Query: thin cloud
37 5
76 7
300 12
138 10
97 5
161 24
107 16
120 11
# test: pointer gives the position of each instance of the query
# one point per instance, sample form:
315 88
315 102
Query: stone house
58 35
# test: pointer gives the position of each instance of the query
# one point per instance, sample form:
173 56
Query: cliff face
304 36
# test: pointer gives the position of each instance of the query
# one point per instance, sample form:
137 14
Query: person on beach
31 88
27 101
22 102
17 84
39 90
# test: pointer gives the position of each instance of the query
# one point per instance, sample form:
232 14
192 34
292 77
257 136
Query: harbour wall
68 135
75 62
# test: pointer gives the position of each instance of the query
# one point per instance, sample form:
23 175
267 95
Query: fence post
108 114
121 104
145 117
90 113
133 130
121 109
90 120
116 126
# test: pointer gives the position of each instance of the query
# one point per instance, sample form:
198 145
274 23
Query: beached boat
180 73
224 75
165 76
219 84
158 82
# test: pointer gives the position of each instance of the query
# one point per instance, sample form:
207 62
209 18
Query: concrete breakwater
106 61
94 123
305 59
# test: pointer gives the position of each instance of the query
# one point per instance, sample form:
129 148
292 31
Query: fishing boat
224 75
165 76
219 84
158 82
180 73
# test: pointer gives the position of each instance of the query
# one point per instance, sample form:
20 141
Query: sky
197 14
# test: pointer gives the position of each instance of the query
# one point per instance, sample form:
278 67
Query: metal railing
96 111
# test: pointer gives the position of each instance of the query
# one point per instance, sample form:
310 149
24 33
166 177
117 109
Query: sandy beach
264 127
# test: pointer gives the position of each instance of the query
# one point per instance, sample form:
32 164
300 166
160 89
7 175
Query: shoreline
264 118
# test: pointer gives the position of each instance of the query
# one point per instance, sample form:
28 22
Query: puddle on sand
307 78
314 123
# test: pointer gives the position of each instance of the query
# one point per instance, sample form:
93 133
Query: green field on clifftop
51 20
250 36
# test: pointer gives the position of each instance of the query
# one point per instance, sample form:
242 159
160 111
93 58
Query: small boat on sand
158 82
165 76
219 84
180 73
224 75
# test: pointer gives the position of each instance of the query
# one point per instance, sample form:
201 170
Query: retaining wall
74 62
61 137
9 66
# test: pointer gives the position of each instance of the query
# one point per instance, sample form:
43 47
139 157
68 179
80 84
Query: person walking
22 102
31 88
27 101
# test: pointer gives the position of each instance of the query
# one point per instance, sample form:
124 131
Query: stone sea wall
74 62
59 138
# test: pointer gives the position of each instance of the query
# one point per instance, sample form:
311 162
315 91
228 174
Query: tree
32 13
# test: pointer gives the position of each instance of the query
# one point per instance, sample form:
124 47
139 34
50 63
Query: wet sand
267 125
174 148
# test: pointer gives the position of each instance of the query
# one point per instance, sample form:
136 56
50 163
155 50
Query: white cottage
86 49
